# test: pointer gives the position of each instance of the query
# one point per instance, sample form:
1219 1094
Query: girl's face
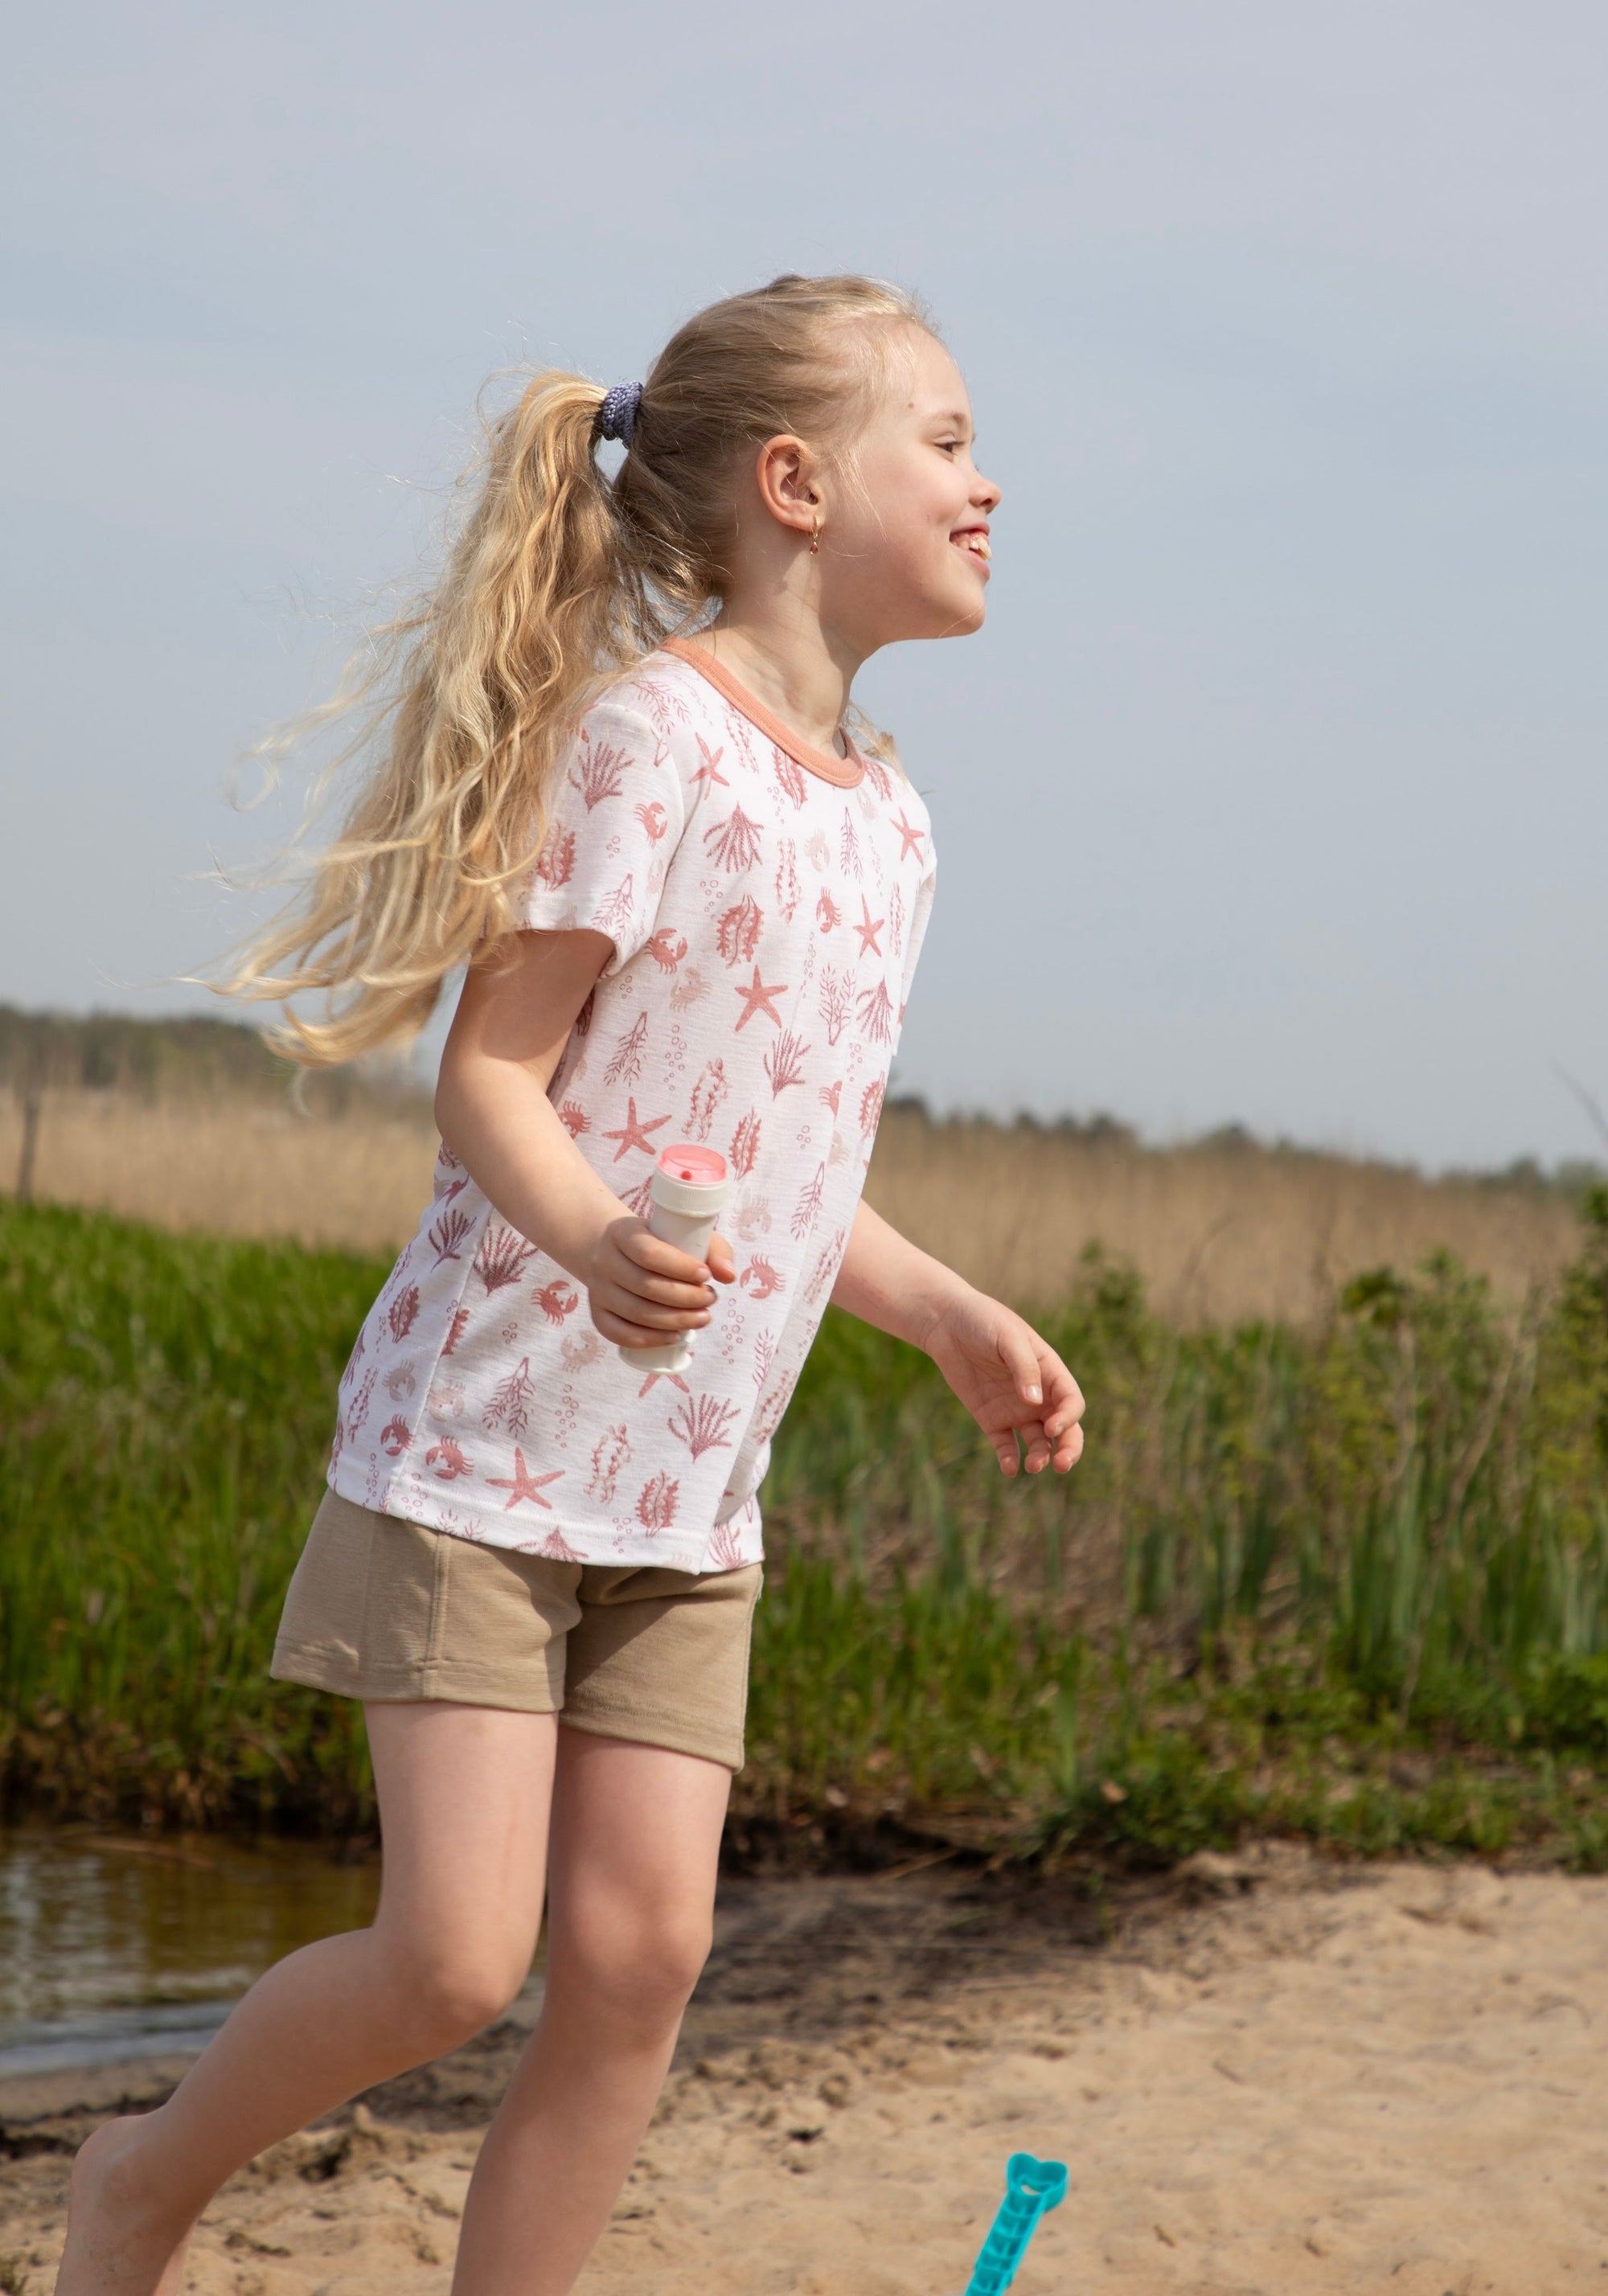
903 552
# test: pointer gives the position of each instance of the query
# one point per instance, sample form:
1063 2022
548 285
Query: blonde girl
620 782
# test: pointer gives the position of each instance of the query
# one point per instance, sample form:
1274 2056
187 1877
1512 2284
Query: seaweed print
640 1199
358 1413
726 1546
710 770
510 1403
896 919
616 908
573 1117
352 1361
789 777
765 1355
711 1090
745 1144
828 915
597 774
403 1312
835 1002
787 879
760 1279
522 1484
554 1548
656 1507
454 1330
653 819
502 1255
849 849
395 1436
879 777
584 1018
876 1014
666 948
734 842
871 1106
448 1233
612 1453
824 1268
737 934
784 1063
557 1299
688 989
555 863
701 1424
830 1094
625 1066
446 1460
807 1209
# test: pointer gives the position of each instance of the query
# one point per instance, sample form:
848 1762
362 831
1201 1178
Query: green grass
1352 1584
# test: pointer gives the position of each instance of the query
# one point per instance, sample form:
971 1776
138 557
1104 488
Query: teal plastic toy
1032 2189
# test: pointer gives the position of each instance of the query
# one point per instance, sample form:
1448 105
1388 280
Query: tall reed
1352 1577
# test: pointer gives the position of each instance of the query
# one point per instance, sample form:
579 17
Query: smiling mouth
974 542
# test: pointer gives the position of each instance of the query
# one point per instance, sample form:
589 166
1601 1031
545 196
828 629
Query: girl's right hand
643 1291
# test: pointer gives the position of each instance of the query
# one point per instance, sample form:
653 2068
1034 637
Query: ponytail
559 580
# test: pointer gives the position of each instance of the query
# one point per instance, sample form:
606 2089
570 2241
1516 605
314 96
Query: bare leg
465 1794
631 1884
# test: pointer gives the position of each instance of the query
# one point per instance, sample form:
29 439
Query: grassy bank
1352 1581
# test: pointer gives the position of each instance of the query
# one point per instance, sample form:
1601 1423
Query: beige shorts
383 1609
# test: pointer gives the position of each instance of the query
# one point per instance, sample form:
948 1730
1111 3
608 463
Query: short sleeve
616 817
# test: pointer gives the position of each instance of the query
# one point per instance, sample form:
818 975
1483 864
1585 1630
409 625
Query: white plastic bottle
689 1189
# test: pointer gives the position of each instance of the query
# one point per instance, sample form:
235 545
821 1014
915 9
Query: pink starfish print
674 1377
634 1133
756 998
523 1484
912 837
710 770
868 930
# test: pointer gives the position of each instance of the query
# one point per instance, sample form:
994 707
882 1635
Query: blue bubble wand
1032 2189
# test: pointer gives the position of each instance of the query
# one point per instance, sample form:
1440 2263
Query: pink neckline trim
843 772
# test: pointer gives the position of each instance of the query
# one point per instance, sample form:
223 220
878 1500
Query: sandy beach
1266 2074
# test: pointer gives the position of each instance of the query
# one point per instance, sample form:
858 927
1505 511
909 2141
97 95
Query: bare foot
120 2242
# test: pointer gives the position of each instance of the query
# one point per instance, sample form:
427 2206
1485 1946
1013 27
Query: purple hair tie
616 416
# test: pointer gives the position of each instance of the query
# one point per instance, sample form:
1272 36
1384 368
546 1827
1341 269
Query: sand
1266 2074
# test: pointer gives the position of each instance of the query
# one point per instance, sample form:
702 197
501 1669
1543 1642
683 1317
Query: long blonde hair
558 578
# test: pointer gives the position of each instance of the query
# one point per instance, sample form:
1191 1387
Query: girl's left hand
1011 1381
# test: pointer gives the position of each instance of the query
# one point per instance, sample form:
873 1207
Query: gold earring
815 534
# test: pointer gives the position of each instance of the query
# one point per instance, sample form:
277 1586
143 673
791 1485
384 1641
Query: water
119 1946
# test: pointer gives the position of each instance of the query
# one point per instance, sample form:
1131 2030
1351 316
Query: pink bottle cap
700 1166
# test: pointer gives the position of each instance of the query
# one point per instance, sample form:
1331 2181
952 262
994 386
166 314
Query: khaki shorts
383 1609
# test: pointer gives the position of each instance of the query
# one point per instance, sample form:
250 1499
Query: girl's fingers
655 1257
1020 1359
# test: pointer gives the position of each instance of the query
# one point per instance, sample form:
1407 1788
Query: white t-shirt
766 903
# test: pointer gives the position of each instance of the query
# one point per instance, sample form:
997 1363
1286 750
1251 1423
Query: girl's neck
790 663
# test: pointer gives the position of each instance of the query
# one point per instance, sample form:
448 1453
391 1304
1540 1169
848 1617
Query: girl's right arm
514 1017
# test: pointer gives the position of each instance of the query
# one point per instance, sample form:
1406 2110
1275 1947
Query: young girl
619 785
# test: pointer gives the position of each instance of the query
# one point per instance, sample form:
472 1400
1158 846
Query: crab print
558 1299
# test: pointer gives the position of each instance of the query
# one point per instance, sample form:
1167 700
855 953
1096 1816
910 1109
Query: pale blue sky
1274 789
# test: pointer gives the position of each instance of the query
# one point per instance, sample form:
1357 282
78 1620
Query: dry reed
1221 1233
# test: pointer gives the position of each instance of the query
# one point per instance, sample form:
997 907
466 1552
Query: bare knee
640 1970
445 1993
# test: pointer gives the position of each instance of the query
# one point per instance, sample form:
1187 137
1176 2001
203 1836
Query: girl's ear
784 471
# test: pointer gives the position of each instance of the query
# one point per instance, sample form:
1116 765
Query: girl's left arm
1012 1381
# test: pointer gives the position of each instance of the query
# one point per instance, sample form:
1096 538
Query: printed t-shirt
767 903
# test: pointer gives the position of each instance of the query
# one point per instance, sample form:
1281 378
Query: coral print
765 908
